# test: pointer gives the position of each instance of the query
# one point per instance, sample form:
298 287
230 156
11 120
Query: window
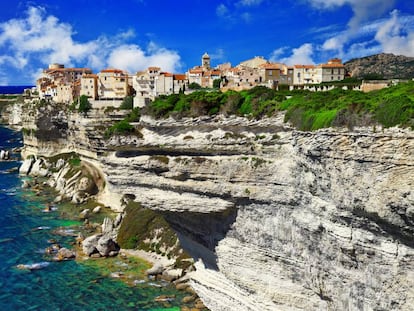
270 72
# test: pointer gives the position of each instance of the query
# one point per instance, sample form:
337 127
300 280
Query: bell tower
205 61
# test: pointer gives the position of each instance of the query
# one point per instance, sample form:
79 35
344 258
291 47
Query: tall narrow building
205 61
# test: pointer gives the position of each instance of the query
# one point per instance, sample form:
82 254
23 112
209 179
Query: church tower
205 61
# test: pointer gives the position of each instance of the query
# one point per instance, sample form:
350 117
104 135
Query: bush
84 104
121 127
194 86
127 103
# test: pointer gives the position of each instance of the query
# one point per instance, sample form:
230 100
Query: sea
26 231
14 89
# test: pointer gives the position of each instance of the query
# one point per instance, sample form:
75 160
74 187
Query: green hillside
304 109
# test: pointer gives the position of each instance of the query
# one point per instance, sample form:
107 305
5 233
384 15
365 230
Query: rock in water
64 254
26 166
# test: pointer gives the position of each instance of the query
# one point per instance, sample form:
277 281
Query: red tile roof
180 76
304 66
112 70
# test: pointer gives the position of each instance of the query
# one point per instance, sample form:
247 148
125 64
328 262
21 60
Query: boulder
38 169
26 184
89 244
172 274
107 246
157 268
26 166
84 214
64 254
79 197
97 210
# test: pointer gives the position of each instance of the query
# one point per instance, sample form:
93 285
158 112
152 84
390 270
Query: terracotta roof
304 66
167 74
180 76
67 70
112 70
196 70
332 65
270 66
89 76
154 68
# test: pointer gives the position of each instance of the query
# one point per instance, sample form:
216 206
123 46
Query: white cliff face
323 220
277 219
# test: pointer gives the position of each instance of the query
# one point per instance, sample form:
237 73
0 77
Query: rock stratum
276 219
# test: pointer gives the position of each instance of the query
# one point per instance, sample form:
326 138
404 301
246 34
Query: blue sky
134 34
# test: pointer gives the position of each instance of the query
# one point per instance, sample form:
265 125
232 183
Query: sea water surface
25 232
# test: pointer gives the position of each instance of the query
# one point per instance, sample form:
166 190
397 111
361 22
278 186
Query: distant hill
386 66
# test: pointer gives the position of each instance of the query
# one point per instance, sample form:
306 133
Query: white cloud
250 2
39 38
393 38
300 55
363 9
236 12
277 54
222 10
132 58
218 54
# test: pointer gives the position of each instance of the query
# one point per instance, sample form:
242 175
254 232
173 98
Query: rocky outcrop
385 65
103 244
276 219
280 219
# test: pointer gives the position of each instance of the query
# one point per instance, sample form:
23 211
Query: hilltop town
63 85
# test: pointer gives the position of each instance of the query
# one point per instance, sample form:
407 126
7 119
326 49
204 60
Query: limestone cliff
276 219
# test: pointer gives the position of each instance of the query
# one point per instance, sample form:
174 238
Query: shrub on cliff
127 103
141 226
84 104
120 128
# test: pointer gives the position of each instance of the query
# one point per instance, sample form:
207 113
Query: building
89 86
153 82
60 84
112 84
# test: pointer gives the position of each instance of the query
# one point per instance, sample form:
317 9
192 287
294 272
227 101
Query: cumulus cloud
367 33
277 54
41 39
222 10
363 10
393 38
300 55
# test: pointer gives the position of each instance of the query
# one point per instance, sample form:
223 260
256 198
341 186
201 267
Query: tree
216 83
194 86
84 104
127 103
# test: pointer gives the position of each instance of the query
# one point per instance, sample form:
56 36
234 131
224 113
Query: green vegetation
81 104
127 103
194 86
216 83
141 227
304 109
120 128
389 107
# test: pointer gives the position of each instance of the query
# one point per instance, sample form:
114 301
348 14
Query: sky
134 34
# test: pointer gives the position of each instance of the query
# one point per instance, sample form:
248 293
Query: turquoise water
24 234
